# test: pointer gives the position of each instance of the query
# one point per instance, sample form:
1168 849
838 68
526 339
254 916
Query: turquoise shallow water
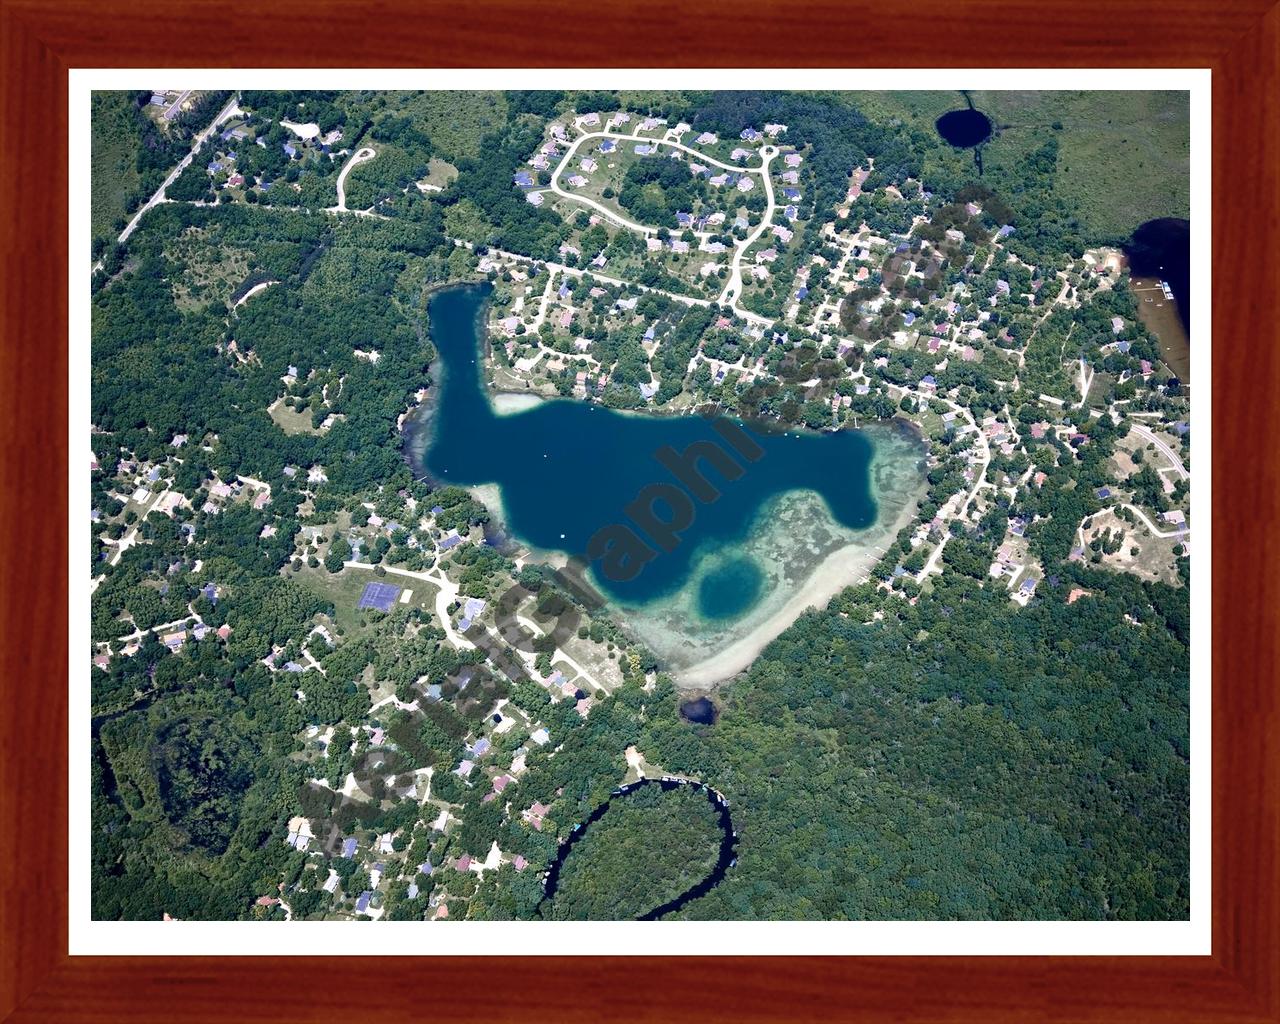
626 492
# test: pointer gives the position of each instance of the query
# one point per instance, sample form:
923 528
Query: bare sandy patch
306 132
507 402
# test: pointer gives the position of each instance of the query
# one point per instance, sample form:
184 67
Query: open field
1147 557
291 421
682 268
440 173
454 121
115 176
210 275
344 590
1119 162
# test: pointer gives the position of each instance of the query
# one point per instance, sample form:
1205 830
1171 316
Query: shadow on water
1159 257
728 855
1162 248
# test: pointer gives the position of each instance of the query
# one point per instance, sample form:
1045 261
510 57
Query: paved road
932 565
733 289
1168 452
553 267
446 593
560 655
230 110
1181 531
130 538
570 153
176 106
163 627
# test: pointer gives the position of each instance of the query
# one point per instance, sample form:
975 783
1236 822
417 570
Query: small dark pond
728 855
701 711
964 128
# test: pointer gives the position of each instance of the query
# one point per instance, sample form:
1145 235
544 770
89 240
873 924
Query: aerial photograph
595 504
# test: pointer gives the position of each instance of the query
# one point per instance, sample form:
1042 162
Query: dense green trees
485 181
648 848
655 188
959 758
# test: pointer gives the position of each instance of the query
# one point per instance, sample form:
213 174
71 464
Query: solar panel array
379 595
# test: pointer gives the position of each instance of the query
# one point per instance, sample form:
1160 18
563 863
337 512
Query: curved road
733 289
358 157
1173 457
1182 532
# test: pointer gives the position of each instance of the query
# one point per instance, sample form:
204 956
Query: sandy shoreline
842 568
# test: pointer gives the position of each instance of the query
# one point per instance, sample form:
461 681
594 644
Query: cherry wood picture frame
1239 40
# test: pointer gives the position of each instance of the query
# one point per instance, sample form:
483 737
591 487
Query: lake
663 508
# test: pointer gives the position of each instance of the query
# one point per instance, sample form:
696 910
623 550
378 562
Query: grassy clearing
1142 554
454 120
440 173
210 273
466 220
1123 156
344 589
113 159
291 421
684 267
594 658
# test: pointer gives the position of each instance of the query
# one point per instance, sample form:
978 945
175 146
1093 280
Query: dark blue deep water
731 589
964 128
611 487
